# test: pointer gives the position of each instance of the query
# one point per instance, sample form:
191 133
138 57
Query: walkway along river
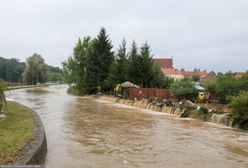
84 132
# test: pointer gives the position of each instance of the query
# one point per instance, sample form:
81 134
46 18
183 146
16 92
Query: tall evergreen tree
118 71
122 62
133 64
99 62
146 65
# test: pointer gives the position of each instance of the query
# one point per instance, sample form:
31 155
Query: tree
121 63
239 110
55 74
74 68
210 86
11 69
159 80
145 65
133 64
99 62
184 89
196 78
226 85
118 70
36 70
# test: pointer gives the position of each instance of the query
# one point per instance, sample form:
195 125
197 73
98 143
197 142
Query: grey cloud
202 34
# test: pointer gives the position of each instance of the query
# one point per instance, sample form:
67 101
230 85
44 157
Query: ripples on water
83 132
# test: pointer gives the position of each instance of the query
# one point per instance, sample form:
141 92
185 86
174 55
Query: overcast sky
205 34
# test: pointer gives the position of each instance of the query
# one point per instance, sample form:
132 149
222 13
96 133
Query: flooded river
84 132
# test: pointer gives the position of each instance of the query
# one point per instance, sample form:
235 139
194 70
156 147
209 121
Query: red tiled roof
171 71
201 74
164 62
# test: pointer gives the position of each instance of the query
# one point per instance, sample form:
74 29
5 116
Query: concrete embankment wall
221 119
35 150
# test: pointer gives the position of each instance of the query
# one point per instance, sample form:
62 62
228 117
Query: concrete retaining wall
35 150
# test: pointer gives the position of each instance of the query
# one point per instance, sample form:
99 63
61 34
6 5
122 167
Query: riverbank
16 129
22 136
26 86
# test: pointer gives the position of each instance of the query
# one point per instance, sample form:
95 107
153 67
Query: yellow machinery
201 97
117 88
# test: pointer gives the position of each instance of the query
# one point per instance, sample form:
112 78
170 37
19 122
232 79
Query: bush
2 95
239 110
184 89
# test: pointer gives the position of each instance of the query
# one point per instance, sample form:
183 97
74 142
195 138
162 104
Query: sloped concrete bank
35 150
221 119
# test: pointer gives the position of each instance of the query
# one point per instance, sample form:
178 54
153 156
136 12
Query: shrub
2 95
184 89
239 110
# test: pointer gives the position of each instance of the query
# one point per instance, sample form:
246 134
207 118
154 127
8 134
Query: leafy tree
196 78
184 89
11 69
74 69
226 85
239 110
55 74
210 86
159 80
36 70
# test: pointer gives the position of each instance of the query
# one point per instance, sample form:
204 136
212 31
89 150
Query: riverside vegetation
94 66
35 70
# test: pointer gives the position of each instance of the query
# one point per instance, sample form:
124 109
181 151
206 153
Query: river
84 132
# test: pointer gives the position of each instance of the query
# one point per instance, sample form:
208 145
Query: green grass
15 131
14 87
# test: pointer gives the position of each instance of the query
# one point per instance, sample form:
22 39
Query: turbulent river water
85 132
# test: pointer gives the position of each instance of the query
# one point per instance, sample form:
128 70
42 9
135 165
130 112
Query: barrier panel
145 93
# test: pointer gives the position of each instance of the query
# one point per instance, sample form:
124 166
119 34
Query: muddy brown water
84 132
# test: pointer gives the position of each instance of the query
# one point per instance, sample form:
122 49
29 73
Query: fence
140 93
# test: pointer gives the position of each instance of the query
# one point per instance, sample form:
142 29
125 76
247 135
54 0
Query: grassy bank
15 131
25 86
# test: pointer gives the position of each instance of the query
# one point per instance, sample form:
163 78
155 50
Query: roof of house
171 71
201 74
239 74
164 62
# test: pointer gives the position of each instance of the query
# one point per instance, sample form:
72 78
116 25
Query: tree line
11 69
34 71
95 66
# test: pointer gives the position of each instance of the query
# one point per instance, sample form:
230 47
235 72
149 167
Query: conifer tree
99 62
133 64
122 62
146 65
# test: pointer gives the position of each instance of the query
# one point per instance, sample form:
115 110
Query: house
173 73
238 74
191 74
166 65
